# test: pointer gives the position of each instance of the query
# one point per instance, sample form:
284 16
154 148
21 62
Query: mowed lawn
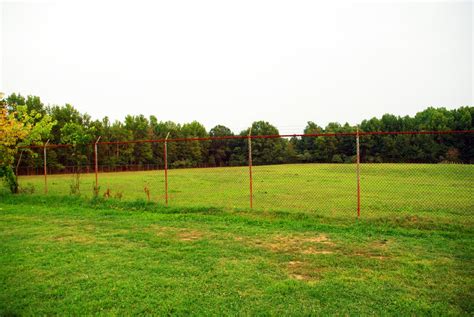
437 190
72 256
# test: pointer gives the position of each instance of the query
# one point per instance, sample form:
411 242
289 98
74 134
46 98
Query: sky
235 62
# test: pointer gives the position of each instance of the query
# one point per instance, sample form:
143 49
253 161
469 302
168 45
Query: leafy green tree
32 103
194 153
220 151
140 129
160 131
77 128
80 137
266 150
121 154
19 127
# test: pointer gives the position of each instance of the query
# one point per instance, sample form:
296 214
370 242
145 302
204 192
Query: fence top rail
272 136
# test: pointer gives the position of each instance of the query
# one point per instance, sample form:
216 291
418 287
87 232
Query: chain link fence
366 174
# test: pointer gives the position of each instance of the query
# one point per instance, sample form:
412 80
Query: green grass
300 251
73 256
435 190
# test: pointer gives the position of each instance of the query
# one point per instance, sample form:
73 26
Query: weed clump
75 186
147 192
95 190
27 189
118 195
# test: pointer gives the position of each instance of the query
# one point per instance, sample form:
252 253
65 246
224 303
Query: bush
7 174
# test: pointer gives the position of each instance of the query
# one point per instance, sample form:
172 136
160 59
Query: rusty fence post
358 172
96 166
45 168
250 167
165 156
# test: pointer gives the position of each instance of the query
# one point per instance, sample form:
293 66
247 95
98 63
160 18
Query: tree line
73 127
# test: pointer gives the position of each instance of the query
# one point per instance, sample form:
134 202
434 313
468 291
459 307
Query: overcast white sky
234 62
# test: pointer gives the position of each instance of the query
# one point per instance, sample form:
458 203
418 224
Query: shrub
6 172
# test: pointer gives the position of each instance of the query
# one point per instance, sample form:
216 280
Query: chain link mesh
315 174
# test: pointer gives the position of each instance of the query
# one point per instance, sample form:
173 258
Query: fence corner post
358 172
165 157
249 138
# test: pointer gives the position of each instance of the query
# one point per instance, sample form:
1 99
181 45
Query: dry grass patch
182 234
313 251
161 230
301 245
74 238
302 271
371 256
320 244
378 249
191 235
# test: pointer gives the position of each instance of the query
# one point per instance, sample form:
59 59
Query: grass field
437 190
72 256
300 251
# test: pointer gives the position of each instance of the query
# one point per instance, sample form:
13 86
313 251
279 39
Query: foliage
79 129
20 125
7 174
